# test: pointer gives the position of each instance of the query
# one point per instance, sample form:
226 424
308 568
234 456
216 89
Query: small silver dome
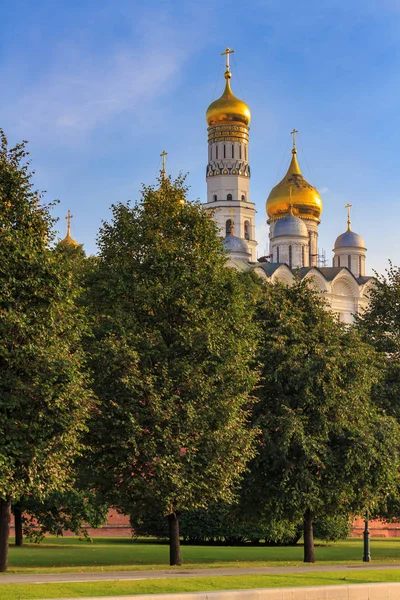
349 239
235 244
290 226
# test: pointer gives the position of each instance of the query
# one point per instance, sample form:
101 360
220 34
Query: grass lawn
108 554
159 586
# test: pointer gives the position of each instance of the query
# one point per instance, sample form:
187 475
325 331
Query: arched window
290 256
277 254
247 230
216 151
302 256
359 266
349 262
233 151
215 197
229 197
243 198
224 151
240 151
228 227
338 261
245 153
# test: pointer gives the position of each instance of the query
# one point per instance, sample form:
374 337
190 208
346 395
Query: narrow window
309 249
210 154
228 227
290 256
216 151
349 262
243 198
240 151
215 197
224 151
277 254
302 256
247 230
233 151
245 153
338 261
229 197
359 266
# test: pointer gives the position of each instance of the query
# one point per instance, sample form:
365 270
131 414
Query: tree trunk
174 541
5 517
309 554
18 525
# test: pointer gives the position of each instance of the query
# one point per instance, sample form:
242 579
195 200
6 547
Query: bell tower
228 168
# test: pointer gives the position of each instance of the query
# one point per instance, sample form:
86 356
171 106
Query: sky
100 87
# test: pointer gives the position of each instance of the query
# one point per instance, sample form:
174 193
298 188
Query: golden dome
68 241
228 109
296 191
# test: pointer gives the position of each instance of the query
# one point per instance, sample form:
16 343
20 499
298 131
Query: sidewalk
177 574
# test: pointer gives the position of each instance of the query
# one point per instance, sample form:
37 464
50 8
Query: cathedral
293 210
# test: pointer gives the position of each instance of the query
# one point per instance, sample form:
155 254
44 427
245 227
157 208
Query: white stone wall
281 252
356 263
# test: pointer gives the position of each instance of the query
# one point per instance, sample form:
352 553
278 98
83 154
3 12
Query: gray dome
235 244
290 226
349 239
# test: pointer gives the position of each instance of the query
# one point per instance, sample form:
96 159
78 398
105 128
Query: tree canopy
45 398
324 449
172 347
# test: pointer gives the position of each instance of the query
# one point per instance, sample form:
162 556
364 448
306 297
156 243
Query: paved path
174 574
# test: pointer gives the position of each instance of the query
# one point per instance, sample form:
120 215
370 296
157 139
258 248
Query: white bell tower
228 168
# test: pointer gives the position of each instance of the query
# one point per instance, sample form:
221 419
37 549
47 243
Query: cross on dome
293 133
348 206
227 52
164 163
68 219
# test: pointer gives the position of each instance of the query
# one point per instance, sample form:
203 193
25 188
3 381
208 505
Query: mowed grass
109 554
159 586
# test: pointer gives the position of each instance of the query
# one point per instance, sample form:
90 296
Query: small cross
68 219
227 52
293 133
164 163
348 206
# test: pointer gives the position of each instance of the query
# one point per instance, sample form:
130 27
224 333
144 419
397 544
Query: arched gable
284 275
367 287
260 272
317 281
345 284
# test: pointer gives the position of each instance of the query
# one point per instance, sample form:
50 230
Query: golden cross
293 133
227 52
164 162
68 219
348 206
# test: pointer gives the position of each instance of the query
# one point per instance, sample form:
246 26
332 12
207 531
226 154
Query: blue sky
101 87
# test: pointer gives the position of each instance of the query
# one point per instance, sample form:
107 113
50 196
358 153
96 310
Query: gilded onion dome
294 190
68 241
228 109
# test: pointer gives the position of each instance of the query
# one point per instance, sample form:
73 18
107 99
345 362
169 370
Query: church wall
353 260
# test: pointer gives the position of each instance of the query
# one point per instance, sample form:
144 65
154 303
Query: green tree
379 325
72 510
173 341
44 397
325 449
